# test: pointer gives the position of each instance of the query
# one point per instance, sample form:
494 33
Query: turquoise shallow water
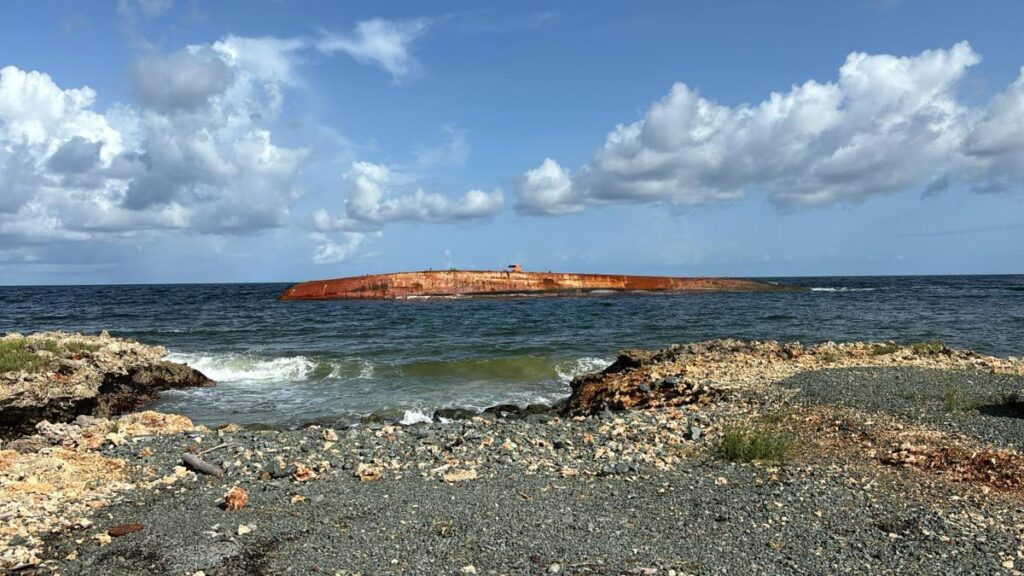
285 363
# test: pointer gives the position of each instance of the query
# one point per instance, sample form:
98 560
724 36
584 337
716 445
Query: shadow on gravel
1003 410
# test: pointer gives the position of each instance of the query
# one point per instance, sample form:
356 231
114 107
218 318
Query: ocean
284 364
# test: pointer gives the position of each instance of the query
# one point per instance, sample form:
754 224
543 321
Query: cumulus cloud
385 43
997 139
548 189
195 152
886 124
265 58
181 81
371 204
334 250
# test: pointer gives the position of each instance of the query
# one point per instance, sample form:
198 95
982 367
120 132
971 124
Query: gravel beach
962 402
888 472
534 506
705 517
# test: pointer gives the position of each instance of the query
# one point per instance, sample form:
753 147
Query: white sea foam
414 417
244 368
842 289
366 370
568 370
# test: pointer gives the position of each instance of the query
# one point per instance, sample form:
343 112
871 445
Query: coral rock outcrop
68 375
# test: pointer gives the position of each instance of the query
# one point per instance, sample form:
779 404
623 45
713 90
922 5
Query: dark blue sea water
285 363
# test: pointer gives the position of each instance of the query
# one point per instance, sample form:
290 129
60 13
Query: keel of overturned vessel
510 282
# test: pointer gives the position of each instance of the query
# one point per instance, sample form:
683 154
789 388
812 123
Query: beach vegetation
957 400
77 346
1015 398
828 357
1012 402
926 348
17 355
884 349
754 444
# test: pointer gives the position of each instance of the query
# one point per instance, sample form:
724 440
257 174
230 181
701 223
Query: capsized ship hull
454 283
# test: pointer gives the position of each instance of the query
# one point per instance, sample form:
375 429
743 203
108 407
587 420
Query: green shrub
828 357
15 355
1015 398
956 400
744 444
925 348
884 349
77 347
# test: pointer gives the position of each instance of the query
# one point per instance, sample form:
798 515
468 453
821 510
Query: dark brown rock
635 381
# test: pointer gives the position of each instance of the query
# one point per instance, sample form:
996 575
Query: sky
152 141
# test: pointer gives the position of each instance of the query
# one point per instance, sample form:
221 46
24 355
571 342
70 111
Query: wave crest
240 367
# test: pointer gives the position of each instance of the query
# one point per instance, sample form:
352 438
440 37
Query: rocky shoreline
58 376
872 468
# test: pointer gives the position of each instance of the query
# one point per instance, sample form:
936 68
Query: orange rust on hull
451 283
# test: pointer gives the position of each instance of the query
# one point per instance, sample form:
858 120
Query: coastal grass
23 354
77 347
957 400
884 349
17 356
754 444
926 348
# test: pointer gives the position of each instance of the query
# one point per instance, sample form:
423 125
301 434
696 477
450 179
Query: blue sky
191 141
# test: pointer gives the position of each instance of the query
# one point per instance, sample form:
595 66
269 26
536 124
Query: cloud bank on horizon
888 124
198 148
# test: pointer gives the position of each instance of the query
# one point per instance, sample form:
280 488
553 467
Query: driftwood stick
217 447
199 465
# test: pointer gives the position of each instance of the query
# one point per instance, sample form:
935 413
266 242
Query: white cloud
371 205
886 124
997 140
185 80
266 59
334 251
548 189
382 42
195 153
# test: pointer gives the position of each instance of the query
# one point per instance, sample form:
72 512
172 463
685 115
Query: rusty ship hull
470 283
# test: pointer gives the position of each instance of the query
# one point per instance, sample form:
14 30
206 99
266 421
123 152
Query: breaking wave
414 417
240 367
572 368
232 367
